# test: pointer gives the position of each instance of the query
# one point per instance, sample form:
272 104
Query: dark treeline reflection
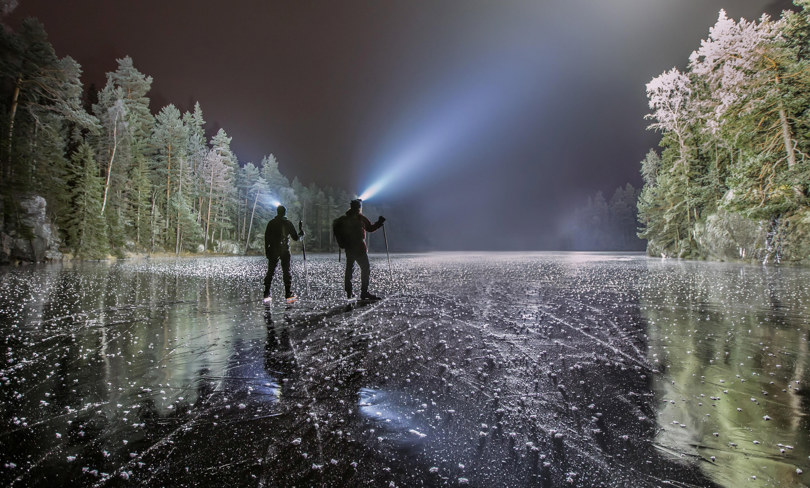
104 362
733 343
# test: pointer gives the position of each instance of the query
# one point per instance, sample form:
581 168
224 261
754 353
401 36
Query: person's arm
372 227
291 230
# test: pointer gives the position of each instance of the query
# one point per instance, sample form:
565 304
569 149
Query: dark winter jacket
355 225
276 236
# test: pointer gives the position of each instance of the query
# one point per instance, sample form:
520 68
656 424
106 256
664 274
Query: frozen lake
476 370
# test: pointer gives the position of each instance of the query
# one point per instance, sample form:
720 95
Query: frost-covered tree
735 135
218 170
747 69
246 177
196 150
258 188
670 98
279 185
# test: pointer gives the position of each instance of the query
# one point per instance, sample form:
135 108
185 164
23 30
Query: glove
381 220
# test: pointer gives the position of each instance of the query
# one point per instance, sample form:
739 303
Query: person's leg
365 271
272 261
285 269
347 278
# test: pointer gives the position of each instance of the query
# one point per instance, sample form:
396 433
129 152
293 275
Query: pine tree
45 102
247 176
139 204
257 189
123 109
196 150
86 226
278 184
170 143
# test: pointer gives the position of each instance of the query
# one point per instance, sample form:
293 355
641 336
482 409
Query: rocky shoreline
27 235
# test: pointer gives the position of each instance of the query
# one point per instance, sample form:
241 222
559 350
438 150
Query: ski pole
304 251
387 254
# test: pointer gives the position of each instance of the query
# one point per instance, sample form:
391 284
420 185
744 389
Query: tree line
732 174
118 178
605 224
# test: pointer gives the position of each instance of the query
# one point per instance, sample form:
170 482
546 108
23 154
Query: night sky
500 115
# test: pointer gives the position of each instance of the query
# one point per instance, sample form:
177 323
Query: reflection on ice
387 411
481 369
735 351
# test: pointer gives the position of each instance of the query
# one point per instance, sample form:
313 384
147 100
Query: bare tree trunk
786 137
32 147
220 211
168 186
138 218
14 102
247 241
109 164
247 199
318 225
152 224
179 197
208 216
682 149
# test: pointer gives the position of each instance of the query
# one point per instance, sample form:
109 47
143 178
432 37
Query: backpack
339 230
275 235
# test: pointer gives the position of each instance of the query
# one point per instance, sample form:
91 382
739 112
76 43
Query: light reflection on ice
388 411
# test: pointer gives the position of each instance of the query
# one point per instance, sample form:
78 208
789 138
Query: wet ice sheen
477 370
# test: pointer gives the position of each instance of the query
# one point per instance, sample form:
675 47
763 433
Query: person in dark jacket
277 248
354 228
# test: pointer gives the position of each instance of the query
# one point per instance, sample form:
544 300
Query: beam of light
269 201
375 187
452 122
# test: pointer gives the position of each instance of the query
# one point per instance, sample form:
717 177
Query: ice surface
476 370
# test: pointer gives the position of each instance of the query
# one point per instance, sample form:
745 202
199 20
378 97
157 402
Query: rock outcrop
26 234
728 236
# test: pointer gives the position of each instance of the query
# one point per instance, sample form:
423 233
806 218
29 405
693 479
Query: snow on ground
475 370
